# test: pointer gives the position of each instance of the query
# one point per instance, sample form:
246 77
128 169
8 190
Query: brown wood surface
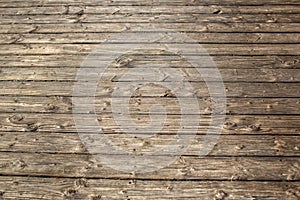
146 18
214 9
231 62
81 188
233 89
228 146
212 49
119 27
149 2
204 38
255 45
60 105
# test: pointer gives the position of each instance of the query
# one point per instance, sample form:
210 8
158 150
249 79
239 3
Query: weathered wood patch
254 44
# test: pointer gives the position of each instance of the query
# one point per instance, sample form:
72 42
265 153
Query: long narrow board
150 18
227 145
99 9
234 124
76 188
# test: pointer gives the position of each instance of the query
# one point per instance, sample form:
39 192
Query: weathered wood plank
214 9
205 38
231 62
99 9
20 3
213 49
119 27
241 106
227 145
185 168
63 188
191 74
106 88
150 18
235 124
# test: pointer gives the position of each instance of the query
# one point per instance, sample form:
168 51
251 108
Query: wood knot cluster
220 195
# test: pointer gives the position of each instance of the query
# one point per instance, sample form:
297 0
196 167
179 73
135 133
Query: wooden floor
255 45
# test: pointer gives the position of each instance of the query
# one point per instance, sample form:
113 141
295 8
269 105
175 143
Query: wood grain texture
185 168
255 45
99 9
21 3
228 62
61 104
233 125
150 18
227 145
203 38
242 89
209 27
228 75
78 188
213 49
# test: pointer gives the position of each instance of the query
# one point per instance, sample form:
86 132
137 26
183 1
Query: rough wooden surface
78 188
228 145
118 27
255 44
205 38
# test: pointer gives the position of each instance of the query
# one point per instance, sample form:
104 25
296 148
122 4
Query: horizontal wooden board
106 88
235 124
230 62
226 146
213 49
21 3
241 106
149 18
190 74
99 9
204 38
184 168
59 188
119 27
